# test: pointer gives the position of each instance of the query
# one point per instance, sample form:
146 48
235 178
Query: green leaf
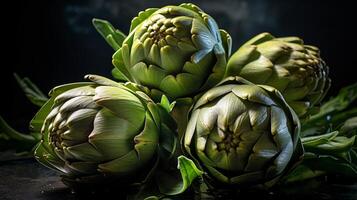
329 122
12 139
119 75
9 137
171 185
168 136
330 143
301 173
165 103
113 36
63 88
349 127
227 42
337 119
333 113
345 97
37 121
32 92
119 64
172 105
317 140
333 165
333 152
143 15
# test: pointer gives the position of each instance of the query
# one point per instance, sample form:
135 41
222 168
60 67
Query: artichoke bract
293 68
101 131
175 50
243 134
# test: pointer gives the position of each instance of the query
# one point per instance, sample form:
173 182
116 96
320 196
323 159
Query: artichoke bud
286 64
102 130
177 50
242 134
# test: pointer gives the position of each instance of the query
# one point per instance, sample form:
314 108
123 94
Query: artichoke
175 50
102 131
286 64
242 134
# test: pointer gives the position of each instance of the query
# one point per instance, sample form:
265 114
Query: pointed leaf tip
165 103
188 171
113 36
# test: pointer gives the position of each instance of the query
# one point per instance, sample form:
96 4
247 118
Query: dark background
53 42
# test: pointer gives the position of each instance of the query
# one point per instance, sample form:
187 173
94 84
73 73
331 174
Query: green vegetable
243 134
349 128
103 131
236 118
293 68
326 154
329 139
333 113
32 92
175 50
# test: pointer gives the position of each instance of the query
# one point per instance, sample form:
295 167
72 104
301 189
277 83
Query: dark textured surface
25 179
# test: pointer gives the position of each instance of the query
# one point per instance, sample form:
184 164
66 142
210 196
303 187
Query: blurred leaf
301 173
113 36
32 92
349 128
330 143
315 165
353 155
337 119
332 165
333 113
329 153
317 140
12 139
345 97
